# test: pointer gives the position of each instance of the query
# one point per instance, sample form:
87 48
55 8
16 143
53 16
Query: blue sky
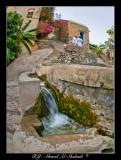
98 19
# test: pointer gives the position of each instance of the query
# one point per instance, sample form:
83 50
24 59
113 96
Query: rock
25 63
29 90
51 36
61 86
79 55
73 143
92 76
10 147
13 120
92 131
109 116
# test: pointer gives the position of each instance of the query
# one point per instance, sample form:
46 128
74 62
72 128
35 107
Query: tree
97 49
110 32
93 46
110 43
16 34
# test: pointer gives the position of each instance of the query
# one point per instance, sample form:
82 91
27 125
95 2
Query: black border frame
3 85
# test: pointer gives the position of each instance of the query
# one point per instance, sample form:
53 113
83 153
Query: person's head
79 36
75 35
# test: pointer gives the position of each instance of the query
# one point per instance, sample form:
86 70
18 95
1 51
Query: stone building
66 33
28 13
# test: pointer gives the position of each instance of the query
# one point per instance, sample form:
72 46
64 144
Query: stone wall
74 55
63 34
75 28
94 84
67 33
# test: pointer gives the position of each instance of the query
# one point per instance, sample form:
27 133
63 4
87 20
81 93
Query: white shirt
79 42
74 41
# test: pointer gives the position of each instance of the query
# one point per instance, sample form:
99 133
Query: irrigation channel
56 122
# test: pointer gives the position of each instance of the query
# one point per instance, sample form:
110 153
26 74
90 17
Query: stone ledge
72 143
29 89
92 76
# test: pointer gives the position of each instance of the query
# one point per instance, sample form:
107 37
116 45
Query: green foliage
26 45
10 56
109 44
12 44
14 23
102 46
37 109
81 112
103 133
97 49
31 30
17 35
112 135
56 30
110 31
93 46
26 25
110 150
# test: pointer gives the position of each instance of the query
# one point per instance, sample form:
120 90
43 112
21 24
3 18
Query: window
83 37
30 12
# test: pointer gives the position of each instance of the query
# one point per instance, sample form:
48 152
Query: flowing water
55 122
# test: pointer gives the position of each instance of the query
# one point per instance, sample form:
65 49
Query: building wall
24 11
34 21
67 33
74 28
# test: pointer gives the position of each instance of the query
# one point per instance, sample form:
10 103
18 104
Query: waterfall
49 100
56 122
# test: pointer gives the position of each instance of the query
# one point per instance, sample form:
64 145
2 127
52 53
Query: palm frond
26 25
31 30
29 42
30 34
26 45
28 37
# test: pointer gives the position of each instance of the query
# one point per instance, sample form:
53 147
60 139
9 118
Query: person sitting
79 41
74 40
